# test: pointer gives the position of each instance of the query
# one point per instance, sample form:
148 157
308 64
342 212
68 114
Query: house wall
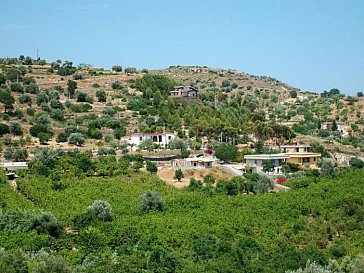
300 160
297 149
308 162
162 139
191 164
257 165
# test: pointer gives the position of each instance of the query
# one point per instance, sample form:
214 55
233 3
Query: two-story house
255 162
301 154
184 92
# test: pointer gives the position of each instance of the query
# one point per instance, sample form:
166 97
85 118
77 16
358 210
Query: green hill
198 231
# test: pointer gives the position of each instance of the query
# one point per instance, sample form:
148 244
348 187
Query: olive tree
150 201
76 139
101 210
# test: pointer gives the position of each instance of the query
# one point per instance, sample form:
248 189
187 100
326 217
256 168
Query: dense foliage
199 230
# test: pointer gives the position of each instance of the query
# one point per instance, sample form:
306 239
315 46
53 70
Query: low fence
163 158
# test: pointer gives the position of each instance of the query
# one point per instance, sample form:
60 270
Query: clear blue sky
314 45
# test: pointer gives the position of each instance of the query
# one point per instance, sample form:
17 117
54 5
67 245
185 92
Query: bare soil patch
167 175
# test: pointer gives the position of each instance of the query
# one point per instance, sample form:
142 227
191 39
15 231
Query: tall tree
71 88
7 99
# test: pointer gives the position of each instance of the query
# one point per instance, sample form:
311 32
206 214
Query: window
297 150
140 138
306 159
314 159
169 137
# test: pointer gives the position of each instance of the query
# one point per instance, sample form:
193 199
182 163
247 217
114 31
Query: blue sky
314 45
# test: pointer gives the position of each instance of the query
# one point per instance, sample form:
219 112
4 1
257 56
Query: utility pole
37 54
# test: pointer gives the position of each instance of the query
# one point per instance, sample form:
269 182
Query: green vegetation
202 230
100 211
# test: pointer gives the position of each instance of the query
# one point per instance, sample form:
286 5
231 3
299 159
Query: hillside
231 101
200 230
91 203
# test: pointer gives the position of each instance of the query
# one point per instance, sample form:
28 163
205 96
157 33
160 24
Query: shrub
20 155
101 95
84 97
44 137
234 85
57 115
42 97
55 104
178 175
117 68
260 183
50 263
94 133
150 201
4 129
62 137
16 129
8 154
226 153
101 209
152 167
338 250
194 185
47 223
76 139
225 83
116 85
32 88
130 70
38 128
109 111
77 76
25 99
71 88
30 111
293 94
45 107
328 168
16 87
356 163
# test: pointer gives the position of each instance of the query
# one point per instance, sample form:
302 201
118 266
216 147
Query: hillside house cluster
297 154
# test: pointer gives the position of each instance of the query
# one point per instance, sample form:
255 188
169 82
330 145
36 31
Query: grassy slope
296 219
9 199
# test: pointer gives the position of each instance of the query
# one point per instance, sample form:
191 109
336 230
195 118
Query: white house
162 139
10 166
299 148
195 162
256 162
